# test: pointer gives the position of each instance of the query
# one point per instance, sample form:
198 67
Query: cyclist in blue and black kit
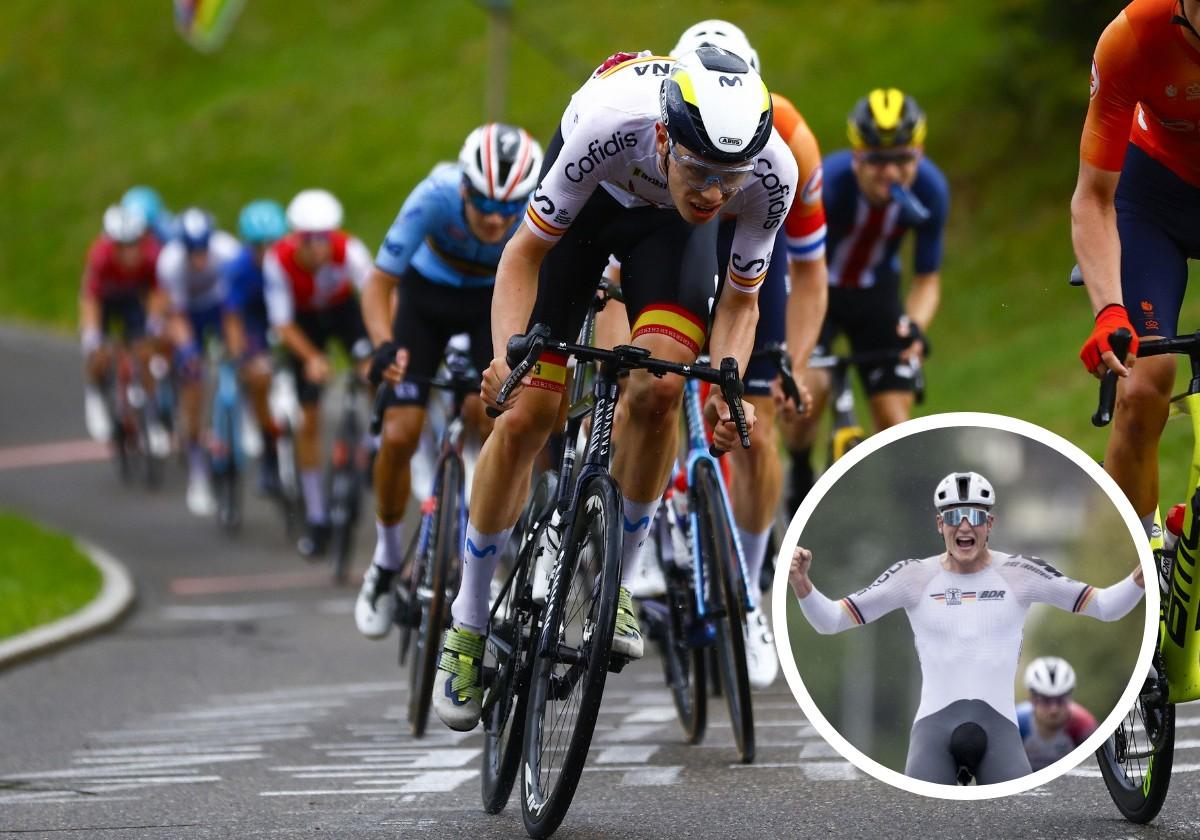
260 224
874 194
439 259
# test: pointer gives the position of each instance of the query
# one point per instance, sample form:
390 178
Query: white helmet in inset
501 162
964 488
124 224
314 211
716 33
1050 676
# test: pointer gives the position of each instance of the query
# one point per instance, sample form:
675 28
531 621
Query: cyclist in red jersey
118 287
1134 217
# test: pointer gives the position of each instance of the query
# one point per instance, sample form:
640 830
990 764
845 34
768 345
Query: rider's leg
799 435
1131 458
890 408
755 485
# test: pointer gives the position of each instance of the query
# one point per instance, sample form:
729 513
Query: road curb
117 593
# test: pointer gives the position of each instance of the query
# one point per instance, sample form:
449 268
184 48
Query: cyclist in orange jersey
1135 217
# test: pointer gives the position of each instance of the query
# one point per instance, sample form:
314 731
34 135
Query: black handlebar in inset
1119 340
731 390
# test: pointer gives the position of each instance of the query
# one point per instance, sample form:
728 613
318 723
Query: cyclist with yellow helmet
649 155
875 193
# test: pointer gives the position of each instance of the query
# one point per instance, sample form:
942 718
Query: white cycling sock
388 551
312 482
638 516
754 551
481 553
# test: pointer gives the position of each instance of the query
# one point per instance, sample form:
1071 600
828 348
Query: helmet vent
964 482
721 61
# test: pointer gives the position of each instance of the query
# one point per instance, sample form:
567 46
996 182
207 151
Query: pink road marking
51 454
307 579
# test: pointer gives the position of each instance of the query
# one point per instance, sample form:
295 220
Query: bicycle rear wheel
1136 761
343 513
433 614
725 597
225 472
567 683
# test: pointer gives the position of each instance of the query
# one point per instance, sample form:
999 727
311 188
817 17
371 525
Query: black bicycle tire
723 593
1140 803
504 724
291 495
683 663
229 513
543 811
433 620
345 489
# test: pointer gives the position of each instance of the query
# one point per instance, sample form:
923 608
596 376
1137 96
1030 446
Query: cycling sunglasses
974 516
1061 700
315 236
883 158
488 206
700 174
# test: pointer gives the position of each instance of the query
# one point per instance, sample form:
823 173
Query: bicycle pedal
617 663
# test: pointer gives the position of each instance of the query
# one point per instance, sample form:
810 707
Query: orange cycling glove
1108 320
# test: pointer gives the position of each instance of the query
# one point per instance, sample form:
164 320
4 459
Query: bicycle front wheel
571 660
433 614
683 662
1136 760
725 598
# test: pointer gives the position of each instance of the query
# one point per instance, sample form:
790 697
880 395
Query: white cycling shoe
627 636
375 607
762 660
648 580
200 499
95 415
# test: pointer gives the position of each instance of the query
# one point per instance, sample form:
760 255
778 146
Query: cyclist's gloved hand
719 418
1108 320
383 358
918 347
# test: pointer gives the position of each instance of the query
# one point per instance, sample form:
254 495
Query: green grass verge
43 576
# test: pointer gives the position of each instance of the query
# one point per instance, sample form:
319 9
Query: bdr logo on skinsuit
598 151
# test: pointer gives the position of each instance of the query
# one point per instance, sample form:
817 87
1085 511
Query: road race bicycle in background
431 571
227 450
285 412
348 472
550 663
140 440
1136 761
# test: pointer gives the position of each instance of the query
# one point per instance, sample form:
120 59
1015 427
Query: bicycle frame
227 414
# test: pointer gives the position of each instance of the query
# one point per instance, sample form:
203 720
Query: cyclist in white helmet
311 278
441 273
968 592
1052 724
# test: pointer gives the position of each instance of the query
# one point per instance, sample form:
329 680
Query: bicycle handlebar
1119 340
456 381
778 354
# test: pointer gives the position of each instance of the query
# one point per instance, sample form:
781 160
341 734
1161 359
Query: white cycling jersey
190 290
609 140
968 627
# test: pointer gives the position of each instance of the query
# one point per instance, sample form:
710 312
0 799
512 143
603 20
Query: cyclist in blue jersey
438 262
874 194
260 224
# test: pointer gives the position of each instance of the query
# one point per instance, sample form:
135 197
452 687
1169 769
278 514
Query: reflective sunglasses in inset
953 516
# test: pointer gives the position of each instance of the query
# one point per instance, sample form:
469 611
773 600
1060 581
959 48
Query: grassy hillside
362 96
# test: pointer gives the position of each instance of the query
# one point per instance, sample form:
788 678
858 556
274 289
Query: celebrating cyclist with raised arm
649 154
875 193
967 609
1135 218
757 476
192 273
440 258
312 276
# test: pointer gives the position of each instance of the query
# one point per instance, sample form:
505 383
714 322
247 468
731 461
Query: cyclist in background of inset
875 193
1135 219
312 276
649 154
967 609
147 201
1051 723
787 314
191 271
439 260
261 224
119 288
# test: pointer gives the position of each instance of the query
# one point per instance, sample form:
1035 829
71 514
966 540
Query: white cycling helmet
124 224
314 211
964 488
1050 676
501 162
716 33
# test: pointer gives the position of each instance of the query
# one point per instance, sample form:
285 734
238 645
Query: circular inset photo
962 607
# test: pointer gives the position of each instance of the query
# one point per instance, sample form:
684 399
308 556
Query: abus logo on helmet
730 141
599 150
776 190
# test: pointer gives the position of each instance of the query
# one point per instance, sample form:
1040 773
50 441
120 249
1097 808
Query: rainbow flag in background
205 23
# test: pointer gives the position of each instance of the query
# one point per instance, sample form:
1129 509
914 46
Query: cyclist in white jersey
650 153
967 609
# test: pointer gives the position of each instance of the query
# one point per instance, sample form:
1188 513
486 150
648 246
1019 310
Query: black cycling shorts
428 314
772 309
869 318
668 274
343 322
128 311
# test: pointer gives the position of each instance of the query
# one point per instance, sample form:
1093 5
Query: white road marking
626 755
652 777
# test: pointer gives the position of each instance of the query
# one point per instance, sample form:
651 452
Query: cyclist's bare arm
235 333
1097 245
732 335
377 308
512 302
923 298
806 304
316 367
89 316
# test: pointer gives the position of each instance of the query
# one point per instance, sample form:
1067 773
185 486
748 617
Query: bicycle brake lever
1119 341
378 408
522 353
788 382
731 390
